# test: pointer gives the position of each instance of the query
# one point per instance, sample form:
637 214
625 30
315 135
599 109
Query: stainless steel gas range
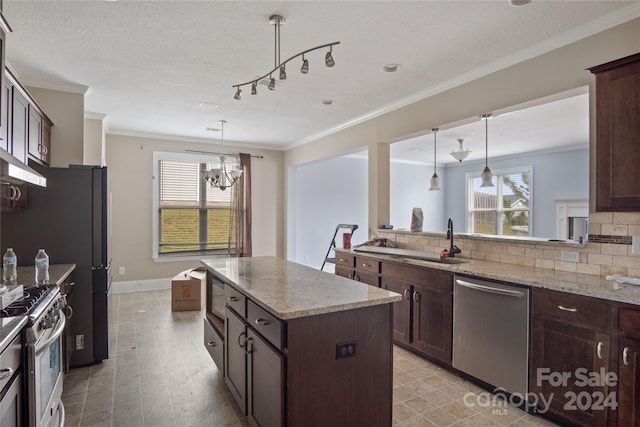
45 308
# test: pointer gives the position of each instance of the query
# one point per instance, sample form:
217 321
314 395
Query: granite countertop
57 274
289 290
575 283
9 328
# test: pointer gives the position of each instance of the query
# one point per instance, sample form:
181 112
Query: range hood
12 171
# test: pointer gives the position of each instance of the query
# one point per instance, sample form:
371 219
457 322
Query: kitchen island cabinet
304 347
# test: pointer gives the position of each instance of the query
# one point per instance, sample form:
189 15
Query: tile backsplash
608 250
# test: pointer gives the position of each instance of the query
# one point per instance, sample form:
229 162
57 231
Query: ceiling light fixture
222 177
435 179
391 68
277 21
486 173
460 154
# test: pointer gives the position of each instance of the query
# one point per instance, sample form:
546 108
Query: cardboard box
188 290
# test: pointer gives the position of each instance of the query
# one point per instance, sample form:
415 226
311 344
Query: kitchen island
301 346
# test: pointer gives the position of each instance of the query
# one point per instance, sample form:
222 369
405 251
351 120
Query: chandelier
460 154
222 177
280 67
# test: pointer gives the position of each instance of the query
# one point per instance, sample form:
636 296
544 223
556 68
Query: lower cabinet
265 391
570 343
214 343
423 320
235 367
629 383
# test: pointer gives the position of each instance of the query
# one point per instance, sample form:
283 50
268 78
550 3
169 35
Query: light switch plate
121 270
635 245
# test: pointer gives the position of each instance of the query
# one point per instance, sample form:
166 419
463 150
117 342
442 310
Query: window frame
155 214
498 173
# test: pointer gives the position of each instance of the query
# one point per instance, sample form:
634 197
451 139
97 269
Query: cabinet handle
242 344
406 294
212 344
342 260
364 264
625 356
416 297
570 309
5 373
356 277
599 349
233 299
249 346
262 322
352 275
68 311
19 193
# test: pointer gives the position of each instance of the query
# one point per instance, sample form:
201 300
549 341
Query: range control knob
47 322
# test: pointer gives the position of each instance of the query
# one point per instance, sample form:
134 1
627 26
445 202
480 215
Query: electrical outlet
79 342
570 256
635 245
121 270
345 349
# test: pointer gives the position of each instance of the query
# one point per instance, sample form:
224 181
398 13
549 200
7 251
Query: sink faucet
453 249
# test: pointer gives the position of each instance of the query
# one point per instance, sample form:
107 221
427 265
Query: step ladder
332 245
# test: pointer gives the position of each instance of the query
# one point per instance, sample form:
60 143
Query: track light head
305 65
272 84
283 73
328 59
254 88
238 95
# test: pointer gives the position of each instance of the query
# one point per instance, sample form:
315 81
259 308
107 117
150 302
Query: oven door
46 377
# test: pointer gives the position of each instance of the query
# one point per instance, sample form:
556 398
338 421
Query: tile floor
159 374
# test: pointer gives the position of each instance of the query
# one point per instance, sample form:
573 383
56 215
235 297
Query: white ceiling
149 64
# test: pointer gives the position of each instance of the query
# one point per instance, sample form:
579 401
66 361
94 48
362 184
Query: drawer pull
343 260
262 322
570 309
364 264
406 294
599 349
233 299
5 373
625 356
212 344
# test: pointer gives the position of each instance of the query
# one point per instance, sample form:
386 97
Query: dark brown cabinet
618 134
629 367
570 339
39 136
423 320
367 271
265 391
235 368
19 124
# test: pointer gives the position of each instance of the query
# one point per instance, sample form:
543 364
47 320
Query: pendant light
435 179
486 173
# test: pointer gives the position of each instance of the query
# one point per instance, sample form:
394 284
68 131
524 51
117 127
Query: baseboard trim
140 285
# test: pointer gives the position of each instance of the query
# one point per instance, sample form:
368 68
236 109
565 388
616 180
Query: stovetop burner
28 303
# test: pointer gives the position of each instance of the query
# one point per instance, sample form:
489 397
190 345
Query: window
504 209
190 217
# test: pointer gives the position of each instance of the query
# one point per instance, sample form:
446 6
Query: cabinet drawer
265 323
367 264
214 343
344 260
344 272
236 300
630 322
440 280
570 308
11 358
366 277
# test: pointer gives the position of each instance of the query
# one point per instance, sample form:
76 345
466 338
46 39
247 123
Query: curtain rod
219 153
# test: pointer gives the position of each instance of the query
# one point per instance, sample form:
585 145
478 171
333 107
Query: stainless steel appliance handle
62 321
5 373
625 356
490 289
62 414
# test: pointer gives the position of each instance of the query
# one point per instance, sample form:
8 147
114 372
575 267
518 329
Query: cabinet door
35 133
4 99
366 277
433 321
265 385
19 125
560 349
401 309
629 385
235 366
45 156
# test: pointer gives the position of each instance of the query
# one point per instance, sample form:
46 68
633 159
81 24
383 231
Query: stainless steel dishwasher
491 333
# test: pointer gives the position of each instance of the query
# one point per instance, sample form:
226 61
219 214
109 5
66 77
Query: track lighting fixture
277 21
486 173
435 179
254 88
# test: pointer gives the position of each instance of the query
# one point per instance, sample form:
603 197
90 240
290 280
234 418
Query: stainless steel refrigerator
68 219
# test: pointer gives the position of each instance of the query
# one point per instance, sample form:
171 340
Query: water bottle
42 267
9 266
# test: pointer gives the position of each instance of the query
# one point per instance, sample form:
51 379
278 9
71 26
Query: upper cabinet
618 134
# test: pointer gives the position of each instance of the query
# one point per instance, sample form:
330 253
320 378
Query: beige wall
94 139
66 111
550 73
130 181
